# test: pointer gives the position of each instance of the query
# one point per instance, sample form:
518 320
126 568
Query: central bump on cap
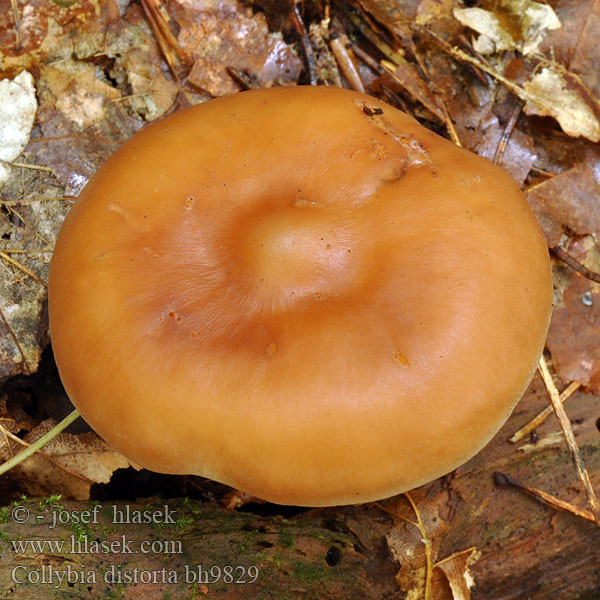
298 251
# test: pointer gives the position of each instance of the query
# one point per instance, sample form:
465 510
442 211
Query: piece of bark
189 550
520 548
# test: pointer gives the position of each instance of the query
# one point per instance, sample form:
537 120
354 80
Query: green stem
15 460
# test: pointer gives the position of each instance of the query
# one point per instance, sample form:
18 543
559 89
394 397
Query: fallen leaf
575 327
17 113
408 545
223 34
546 94
528 22
69 463
81 123
575 44
407 77
52 31
430 10
567 203
456 569
493 37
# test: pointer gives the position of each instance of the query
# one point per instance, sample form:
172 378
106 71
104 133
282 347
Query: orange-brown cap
299 292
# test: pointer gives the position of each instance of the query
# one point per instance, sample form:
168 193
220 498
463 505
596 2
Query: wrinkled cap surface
299 292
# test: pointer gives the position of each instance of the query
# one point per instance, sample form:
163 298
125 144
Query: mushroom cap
300 292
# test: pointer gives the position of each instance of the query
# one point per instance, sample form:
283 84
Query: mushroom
300 292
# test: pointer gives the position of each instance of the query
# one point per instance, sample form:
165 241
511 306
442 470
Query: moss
82 531
184 522
308 572
52 501
287 539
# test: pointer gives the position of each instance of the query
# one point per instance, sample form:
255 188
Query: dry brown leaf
456 569
223 34
52 31
429 10
569 202
86 454
81 123
405 75
547 94
575 326
576 44
493 37
69 463
407 545
484 139
528 21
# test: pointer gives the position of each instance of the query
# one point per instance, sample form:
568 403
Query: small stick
543 497
15 339
50 435
575 265
368 59
167 42
298 25
565 424
342 50
14 251
393 98
383 47
31 166
503 143
477 72
23 268
427 542
15 8
544 414
244 79
450 125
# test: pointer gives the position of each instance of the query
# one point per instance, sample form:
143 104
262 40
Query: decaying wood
517 547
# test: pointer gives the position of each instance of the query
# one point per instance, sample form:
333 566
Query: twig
31 166
393 98
503 143
15 339
50 435
565 424
383 47
450 125
575 265
298 25
367 59
543 497
15 10
246 80
23 268
427 542
543 415
159 21
342 50
15 251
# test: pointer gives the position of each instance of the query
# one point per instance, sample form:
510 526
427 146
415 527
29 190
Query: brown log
526 549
